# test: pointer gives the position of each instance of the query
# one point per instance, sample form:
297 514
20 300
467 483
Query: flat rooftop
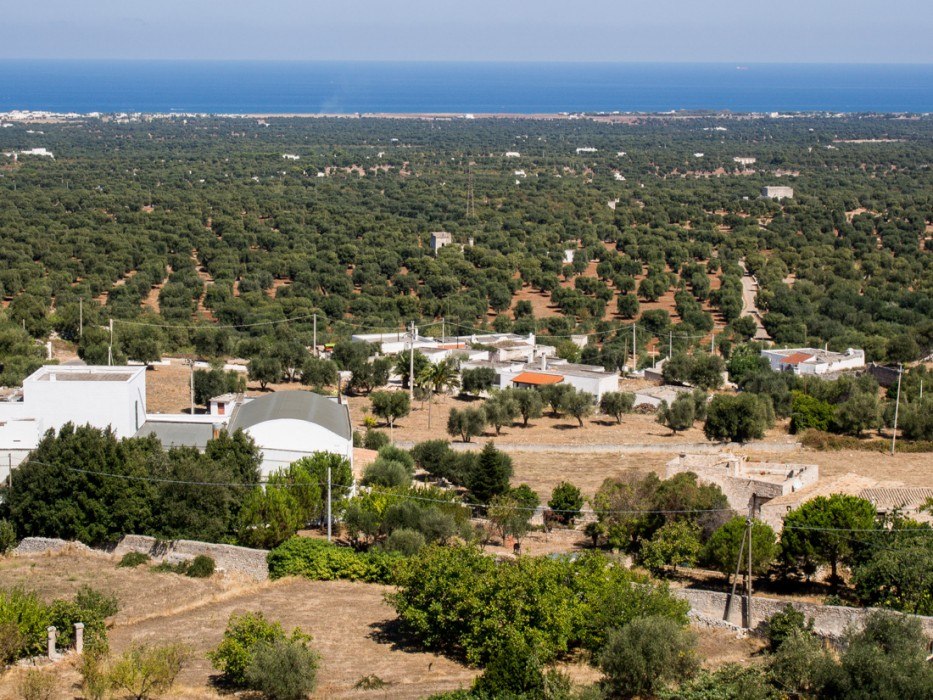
84 376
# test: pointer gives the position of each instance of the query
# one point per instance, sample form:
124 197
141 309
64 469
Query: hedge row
320 561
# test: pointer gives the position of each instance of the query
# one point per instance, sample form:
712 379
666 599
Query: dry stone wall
228 557
828 620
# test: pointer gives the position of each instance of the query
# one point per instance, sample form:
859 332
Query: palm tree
439 377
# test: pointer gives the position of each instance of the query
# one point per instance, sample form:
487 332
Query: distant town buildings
777 192
813 361
744 161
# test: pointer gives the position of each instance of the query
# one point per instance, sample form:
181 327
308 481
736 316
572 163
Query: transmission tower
470 206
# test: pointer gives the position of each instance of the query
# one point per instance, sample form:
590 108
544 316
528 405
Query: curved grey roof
296 405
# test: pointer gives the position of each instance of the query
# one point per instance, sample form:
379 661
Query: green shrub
30 616
179 567
513 670
243 635
375 439
201 566
147 671
644 656
387 473
397 454
134 559
782 624
730 682
456 598
285 669
430 455
405 541
566 502
101 604
37 685
7 536
321 561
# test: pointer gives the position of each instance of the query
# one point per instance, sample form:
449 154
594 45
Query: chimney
543 362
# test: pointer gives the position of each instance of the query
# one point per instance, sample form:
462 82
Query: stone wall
41 545
828 620
228 557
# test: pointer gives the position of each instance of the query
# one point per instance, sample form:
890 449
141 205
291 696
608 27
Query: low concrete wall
828 620
251 562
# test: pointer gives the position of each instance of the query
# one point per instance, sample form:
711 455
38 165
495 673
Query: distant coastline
486 90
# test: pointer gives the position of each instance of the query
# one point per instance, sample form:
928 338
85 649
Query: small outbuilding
289 425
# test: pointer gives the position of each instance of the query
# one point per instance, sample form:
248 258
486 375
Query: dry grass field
350 623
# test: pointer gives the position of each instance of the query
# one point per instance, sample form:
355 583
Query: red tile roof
537 378
795 358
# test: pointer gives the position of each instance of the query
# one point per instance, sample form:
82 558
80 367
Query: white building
289 425
777 192
543 371
54 395
813 361
285 425
439 239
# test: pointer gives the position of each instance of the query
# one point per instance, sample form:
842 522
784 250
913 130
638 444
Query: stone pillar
52 634
79 637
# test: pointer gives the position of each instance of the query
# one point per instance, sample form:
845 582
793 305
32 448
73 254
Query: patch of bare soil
351 624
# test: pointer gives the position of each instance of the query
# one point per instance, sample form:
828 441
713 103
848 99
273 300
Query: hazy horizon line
739 63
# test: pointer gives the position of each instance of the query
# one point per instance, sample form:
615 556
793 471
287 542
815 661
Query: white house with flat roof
103 397
813 360
54 395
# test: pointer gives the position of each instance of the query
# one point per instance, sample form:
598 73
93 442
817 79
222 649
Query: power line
390 494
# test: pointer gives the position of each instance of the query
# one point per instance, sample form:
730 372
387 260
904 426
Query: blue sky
845 31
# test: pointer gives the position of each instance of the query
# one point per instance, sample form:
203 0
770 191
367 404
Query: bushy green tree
678 415
673 544
490 475
738 418
721 551
530 404
390 405
828 530
616 404
566 501
646 655
466 423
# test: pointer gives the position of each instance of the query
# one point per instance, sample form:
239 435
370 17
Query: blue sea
366 87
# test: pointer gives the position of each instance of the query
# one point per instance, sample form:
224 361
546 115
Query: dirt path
749 291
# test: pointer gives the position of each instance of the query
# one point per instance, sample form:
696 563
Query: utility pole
897 405
315 335
411 364
191 383
751 522
110 347
328 505
444 332
712 348
735 580
670 343
80 317
634 350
